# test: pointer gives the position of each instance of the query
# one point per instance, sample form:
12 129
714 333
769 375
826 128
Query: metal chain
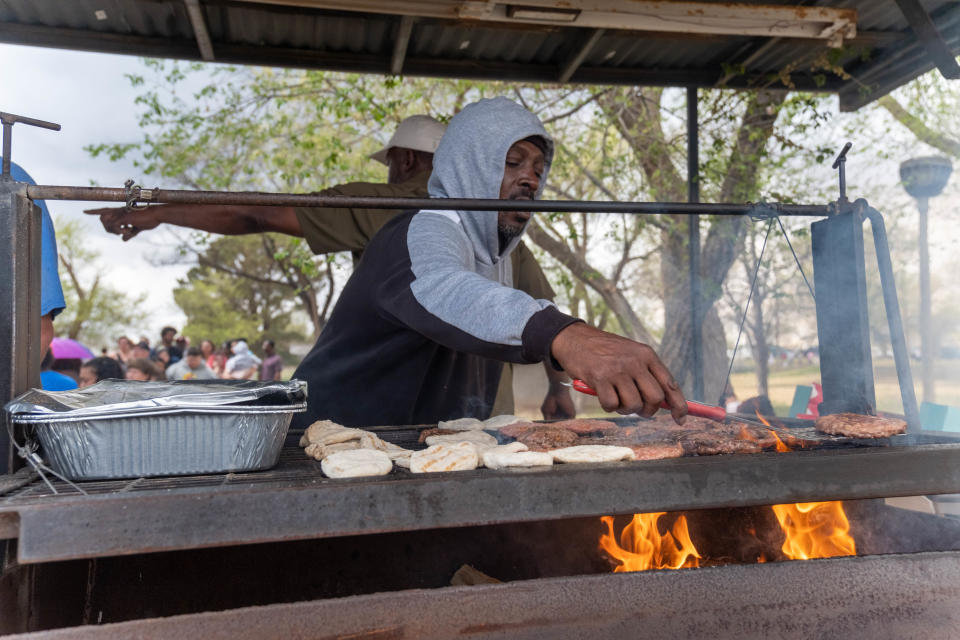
746 308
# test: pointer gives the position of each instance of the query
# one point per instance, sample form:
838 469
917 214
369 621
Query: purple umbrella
66 349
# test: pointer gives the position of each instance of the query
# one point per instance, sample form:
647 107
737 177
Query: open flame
641 546
781 447
811 530
815 530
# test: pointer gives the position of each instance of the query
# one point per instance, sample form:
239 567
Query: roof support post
693 195
400 44
20 224
199 24
927 33
573 63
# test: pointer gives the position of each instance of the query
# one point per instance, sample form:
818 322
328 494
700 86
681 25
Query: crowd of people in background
172 358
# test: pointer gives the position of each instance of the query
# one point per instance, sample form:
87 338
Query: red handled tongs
693 408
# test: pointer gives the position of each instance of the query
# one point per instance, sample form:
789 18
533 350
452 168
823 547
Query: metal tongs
693 408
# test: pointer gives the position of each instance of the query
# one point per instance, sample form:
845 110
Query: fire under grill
294 501
375 558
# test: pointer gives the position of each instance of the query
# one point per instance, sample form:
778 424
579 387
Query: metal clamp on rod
137 198
10 119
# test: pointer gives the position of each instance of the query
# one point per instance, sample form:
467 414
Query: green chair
933 417
801 396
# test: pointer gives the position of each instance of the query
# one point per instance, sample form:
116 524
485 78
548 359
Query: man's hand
557 404
126 224
628 376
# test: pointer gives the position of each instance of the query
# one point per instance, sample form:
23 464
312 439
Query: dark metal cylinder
926 335
693 195
901 357
173 196
7 135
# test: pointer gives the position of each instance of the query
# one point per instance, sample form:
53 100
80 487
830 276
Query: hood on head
240 347
470 159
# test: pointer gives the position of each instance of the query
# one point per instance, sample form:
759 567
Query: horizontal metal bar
871 598
173 196
12 118
301 505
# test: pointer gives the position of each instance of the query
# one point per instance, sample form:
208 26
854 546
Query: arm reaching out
230 220
628 375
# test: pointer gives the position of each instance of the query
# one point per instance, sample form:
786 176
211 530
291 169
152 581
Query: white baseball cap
420 133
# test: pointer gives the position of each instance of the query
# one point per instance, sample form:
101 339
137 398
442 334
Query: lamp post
925 178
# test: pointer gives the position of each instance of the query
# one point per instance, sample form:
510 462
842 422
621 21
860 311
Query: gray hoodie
469 163
422 327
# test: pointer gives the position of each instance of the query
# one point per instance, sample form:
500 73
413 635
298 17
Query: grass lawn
783 382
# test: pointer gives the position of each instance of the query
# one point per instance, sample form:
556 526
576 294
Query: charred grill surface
294 501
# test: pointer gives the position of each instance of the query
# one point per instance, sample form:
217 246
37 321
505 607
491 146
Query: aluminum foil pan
143 429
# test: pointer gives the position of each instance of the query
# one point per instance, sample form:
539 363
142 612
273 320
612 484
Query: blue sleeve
51 292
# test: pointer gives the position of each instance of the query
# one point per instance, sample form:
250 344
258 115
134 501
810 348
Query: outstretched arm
228 220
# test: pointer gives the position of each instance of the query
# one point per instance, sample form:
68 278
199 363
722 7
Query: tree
95 311
244 286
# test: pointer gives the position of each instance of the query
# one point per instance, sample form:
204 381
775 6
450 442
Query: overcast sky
88 96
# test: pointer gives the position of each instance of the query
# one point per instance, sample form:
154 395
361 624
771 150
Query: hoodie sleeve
444 299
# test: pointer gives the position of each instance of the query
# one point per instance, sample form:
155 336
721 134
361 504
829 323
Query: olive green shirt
329 230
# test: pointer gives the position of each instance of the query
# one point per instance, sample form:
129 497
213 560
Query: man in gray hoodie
423 326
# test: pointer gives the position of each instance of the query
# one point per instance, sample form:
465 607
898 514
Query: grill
253 539
294 501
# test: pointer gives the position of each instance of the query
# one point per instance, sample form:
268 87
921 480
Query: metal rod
172 196
901 357
11 118
926 336
7 143
693 195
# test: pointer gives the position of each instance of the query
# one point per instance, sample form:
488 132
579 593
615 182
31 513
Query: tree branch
592 277
918 128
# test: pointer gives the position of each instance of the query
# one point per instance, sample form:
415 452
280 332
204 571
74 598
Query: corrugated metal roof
286 33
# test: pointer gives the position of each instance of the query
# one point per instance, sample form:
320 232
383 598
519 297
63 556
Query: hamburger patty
706 443
584 426
742 431
656 451
854 425
514 430
546 438
664 422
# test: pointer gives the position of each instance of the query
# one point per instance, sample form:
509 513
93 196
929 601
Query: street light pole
925 178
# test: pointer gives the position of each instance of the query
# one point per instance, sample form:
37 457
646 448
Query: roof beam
574 62
199 24
927 33
908 59
400 44
768 20
62 38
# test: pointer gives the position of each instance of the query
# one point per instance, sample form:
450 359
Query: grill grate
295 468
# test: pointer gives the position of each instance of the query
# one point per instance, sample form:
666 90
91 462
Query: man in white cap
409 158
